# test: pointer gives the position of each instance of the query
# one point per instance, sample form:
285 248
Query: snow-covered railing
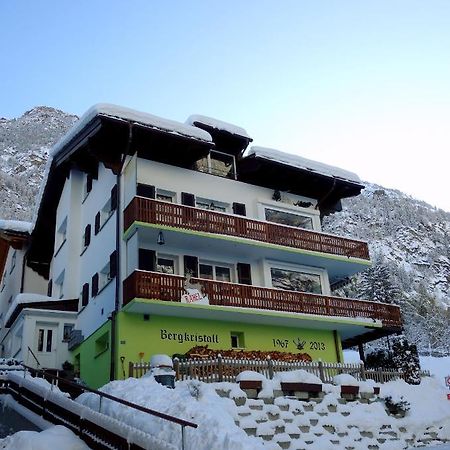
212 370
96 429
157 212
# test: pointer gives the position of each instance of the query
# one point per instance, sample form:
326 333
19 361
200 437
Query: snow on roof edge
17 226
218 125
303 163
120 112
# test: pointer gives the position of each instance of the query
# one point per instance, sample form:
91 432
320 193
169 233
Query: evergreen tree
376 285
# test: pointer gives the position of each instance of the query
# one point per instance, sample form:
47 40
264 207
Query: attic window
218 163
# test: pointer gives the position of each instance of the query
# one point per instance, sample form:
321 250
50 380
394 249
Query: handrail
34 356
182 422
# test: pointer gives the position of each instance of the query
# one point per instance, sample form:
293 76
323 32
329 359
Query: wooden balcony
170 288
186 217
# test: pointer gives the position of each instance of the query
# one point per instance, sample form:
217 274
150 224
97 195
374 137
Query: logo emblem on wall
299 343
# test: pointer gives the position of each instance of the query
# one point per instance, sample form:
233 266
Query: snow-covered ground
57 437
438 367
216 415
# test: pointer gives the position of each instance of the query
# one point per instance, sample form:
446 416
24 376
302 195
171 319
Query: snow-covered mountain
409 244
409 239
24 146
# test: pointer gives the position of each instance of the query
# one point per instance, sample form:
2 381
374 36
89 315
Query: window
107 211
86 240
104 276
289 218
59 285
237 339
218 163
61 235
165 265
165 196
13 260
292 280
68 327
102 344
45 340
215 272
212 205
87 185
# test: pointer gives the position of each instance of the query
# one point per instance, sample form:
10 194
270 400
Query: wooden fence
226 369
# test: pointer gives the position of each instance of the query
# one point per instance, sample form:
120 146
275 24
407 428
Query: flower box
290 387
349 390
250 384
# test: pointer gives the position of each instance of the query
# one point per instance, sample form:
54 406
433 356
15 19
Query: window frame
214 265
174 258
59 284
322 273
165 193
200 166
312 214
61 235
224 207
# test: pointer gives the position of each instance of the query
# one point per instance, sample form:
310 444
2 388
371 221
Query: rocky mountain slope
409 239
24 146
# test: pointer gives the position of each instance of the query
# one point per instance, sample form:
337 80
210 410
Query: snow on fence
226 369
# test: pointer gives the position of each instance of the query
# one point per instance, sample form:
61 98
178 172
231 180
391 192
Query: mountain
409 240
24 146
409 243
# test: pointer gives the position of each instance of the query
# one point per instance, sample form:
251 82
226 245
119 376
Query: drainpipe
321 201
112 370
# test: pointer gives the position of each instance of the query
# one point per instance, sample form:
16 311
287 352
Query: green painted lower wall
139 339
93 357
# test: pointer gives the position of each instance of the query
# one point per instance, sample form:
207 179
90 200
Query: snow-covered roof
218 125
17 226
20 299
119 112
302 163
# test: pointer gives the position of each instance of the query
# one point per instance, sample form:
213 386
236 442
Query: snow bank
345 379
190 400
297 376
250 375
57 437
302 163
15 225
438 367
119 112
217 124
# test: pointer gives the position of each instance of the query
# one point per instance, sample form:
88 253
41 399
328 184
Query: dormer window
218 163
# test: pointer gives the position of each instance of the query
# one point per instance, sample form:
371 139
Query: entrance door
45 345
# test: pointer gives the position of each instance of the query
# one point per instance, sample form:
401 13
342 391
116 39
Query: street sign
447 381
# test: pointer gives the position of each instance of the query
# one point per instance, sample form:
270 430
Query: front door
45 345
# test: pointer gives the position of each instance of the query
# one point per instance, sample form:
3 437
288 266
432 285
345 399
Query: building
168 237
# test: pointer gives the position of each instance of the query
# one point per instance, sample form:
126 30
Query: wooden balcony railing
157 286
163 213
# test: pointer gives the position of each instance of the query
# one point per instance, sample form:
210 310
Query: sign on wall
194 296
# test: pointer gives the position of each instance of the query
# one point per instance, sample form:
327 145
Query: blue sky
364 85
